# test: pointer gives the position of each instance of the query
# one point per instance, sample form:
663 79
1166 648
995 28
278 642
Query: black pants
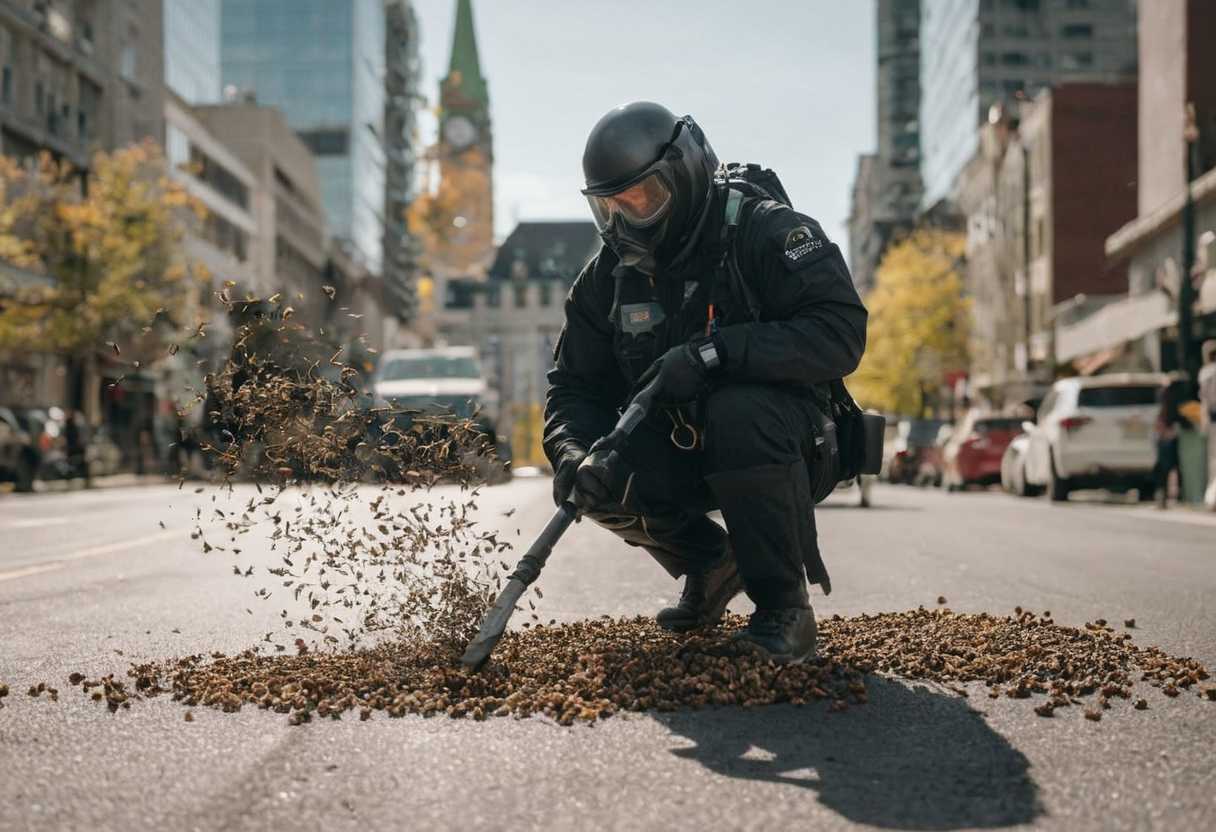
1167 460
764 459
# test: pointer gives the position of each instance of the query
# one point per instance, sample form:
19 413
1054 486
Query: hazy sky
788 83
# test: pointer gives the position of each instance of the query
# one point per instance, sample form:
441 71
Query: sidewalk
1193 513
126 480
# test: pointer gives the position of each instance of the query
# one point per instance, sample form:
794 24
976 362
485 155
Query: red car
973 454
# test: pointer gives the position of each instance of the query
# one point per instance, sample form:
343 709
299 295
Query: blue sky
789 83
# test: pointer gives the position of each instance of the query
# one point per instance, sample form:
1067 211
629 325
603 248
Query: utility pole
1026 282
1188 358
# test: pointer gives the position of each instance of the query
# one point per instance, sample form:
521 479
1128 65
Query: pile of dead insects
589 670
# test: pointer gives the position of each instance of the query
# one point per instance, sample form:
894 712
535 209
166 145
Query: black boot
787 636
705 597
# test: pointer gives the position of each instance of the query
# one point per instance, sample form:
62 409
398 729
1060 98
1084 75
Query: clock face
459 132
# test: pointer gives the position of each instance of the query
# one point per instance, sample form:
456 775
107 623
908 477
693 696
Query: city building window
1015 59
1076 60
177 146
1077 30
989 58
86 109
1017 30
6 66
226 236
218 177
84 40
127 62
327 142
1078 4
284 180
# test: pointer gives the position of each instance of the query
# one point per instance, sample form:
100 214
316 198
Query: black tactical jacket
811 327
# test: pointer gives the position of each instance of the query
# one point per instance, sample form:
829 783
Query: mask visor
640 205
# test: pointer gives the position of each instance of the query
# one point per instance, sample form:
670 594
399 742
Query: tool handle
529 566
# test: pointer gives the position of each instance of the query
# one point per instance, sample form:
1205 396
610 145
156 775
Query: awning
1090 364
1114 325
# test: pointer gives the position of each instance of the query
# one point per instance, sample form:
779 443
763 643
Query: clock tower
466 153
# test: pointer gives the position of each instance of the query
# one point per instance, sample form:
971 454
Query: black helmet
649 181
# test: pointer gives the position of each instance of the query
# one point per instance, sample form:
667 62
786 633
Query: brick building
1041 195
1178 65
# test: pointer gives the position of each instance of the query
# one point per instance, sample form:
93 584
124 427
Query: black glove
564 470
682 374
602 482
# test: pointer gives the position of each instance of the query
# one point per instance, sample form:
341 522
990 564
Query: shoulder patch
800 244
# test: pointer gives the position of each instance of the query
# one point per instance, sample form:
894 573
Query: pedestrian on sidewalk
76 445
744 315
1165 431
1207 398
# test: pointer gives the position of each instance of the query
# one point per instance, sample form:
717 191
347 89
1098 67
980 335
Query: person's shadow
910 759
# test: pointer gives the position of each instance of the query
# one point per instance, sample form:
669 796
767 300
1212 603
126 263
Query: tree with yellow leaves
918 323
455 230
110 241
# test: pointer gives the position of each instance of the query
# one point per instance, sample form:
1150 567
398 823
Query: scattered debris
941 599
589 670
1130 623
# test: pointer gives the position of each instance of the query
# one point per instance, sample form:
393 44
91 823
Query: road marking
91 552
37 522
30 570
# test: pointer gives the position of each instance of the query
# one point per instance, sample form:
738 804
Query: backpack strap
727 273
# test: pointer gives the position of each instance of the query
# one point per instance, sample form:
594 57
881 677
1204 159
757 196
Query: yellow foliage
453 224
918 323
112 249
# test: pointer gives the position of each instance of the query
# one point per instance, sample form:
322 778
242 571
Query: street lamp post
1188 358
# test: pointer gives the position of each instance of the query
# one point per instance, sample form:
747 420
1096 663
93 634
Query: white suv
1095 432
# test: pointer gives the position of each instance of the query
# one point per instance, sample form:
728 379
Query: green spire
471 84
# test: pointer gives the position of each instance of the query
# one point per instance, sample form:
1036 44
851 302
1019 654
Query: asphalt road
91 581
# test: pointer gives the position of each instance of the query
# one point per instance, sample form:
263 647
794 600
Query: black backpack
858 435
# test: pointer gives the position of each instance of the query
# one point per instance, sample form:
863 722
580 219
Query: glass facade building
322 64
950 102
976 53
192 49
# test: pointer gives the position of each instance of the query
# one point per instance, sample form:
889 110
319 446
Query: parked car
1013 467
45 429
447 381
19 457
914 442
973 453
1095 432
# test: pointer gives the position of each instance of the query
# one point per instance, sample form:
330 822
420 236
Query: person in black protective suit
743 376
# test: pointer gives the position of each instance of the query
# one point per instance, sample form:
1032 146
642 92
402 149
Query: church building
466 156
